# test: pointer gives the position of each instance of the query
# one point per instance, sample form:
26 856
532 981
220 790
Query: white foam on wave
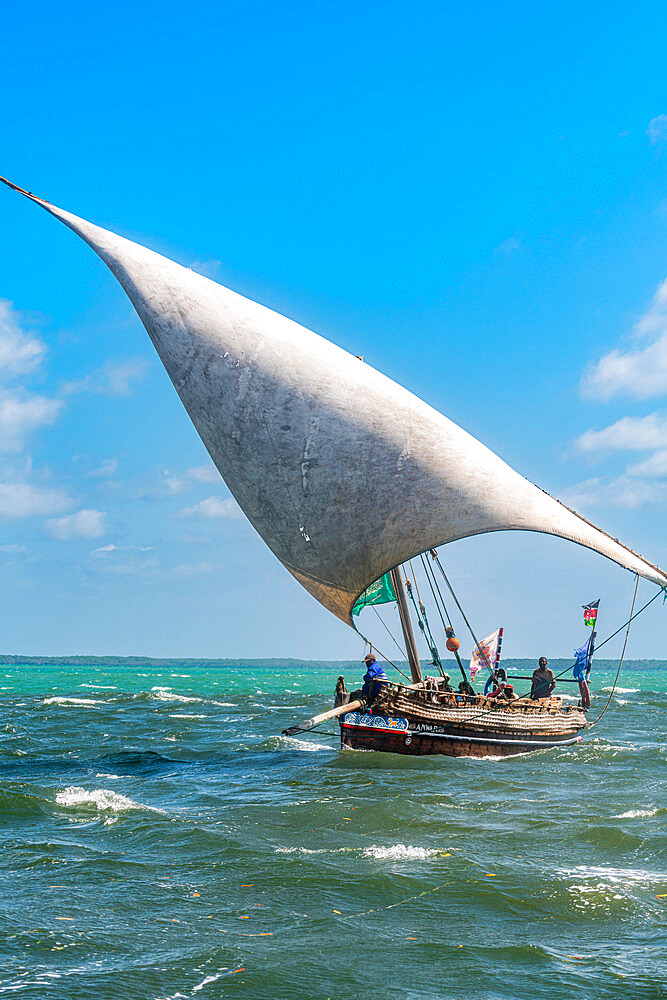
103 799
615 876
636 814
622 690
226 704
304 850
58 700
304 745
399 852
183 715
166 694
100 687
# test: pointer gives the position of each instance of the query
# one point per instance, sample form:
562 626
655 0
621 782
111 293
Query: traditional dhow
277 407
433 721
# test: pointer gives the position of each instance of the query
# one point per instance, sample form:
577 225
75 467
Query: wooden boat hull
399 734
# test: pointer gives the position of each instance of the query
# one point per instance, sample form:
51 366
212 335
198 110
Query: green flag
380 592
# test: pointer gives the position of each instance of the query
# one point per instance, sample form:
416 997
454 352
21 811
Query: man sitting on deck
508 694
544 681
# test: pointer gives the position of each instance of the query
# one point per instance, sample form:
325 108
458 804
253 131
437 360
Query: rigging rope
385 658
620 662
463 614
424 625
663 590
390 633
439 595
449 629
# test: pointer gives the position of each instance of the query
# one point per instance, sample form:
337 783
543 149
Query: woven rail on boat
483 717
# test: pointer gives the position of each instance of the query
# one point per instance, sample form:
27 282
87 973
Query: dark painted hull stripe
376 731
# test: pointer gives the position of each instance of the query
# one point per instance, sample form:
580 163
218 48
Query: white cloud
640 372
105 550
21 414
19 500
124 560
109 467
115 378
214 507
19 351
198 474
627 434
83 524
624 491
654 467
657 129
119 376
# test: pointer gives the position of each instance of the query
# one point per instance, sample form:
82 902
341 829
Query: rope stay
478 645
663 590
441 606
422 620
439 599
432 582
389 632
620 662
372 646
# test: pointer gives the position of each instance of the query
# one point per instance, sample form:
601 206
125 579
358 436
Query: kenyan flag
591 613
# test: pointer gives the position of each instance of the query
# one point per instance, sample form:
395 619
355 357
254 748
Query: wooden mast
406 625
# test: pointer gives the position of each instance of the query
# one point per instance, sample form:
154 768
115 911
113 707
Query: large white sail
343 473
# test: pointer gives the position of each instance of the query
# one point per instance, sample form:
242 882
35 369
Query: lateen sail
343 473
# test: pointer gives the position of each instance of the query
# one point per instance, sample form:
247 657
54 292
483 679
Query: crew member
374 679
495 681
508 693
544 681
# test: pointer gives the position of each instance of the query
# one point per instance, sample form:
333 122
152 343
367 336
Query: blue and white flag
582 667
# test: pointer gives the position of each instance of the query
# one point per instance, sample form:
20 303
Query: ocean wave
166 694
183 715
304 745
622 690
399 852
305 850
638 813
615 876
102 799
58 700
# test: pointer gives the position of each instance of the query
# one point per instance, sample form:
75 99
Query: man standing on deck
544 681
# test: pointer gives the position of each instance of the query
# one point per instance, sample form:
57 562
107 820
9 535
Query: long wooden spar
333 713
406 625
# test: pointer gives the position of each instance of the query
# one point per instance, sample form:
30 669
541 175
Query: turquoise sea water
161 839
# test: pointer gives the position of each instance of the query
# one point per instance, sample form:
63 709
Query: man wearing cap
544 681
374 679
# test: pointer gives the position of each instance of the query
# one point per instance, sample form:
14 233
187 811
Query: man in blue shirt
374 679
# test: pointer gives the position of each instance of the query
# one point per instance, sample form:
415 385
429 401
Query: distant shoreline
523 665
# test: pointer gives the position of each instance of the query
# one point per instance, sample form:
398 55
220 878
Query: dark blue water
160 839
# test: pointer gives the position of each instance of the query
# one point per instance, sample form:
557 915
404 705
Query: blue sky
473 198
